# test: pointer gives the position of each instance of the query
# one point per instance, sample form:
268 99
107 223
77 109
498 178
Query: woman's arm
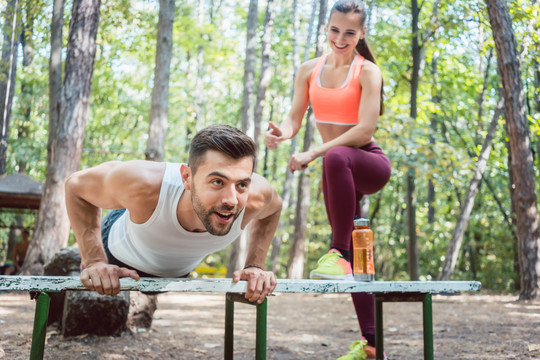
290 127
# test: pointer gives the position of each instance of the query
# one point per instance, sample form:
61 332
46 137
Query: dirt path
190 326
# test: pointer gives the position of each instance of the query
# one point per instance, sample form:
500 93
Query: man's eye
243 186
217 182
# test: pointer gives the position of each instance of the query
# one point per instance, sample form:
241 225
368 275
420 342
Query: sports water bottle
364 268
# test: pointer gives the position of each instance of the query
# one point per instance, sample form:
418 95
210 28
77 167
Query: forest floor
300 326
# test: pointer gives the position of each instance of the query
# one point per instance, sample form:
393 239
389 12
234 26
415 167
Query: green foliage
456 44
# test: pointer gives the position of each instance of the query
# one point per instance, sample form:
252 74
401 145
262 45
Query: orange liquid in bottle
364 267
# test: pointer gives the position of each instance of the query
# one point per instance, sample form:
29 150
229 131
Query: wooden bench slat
223 285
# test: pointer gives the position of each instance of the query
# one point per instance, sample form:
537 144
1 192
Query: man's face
219 190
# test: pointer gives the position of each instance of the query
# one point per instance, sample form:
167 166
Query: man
19 251
175 214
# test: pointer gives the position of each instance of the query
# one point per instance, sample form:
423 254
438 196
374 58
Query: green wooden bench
385 291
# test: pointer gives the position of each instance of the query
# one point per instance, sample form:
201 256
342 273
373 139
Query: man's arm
265 205
112 185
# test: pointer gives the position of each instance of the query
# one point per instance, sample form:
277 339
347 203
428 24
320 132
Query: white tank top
161 246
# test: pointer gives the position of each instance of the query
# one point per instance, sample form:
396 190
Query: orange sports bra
337 106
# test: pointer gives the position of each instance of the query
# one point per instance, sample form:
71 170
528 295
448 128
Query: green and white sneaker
332 266
356 351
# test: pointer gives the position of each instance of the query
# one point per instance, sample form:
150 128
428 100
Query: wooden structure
20 191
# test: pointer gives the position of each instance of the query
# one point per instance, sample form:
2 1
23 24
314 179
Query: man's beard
206 215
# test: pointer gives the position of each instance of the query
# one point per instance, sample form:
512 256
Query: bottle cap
361 222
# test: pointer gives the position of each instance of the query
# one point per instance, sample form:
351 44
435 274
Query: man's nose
230 196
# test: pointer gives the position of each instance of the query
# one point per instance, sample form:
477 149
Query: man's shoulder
143 171
262 196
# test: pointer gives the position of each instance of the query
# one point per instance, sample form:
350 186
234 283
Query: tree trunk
296 260
522 159
238 252
157 129
287 184
435 98
411 174
466 208
249 69
27 94
412 247
199 81
55 74
266 73
52 228
8 70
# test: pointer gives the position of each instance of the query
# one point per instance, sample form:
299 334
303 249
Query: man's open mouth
224 216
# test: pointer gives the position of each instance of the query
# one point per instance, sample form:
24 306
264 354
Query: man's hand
105 278
260 283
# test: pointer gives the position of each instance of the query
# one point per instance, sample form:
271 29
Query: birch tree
8 70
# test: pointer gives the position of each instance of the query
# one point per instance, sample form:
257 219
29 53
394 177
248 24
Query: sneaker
360 350
332 266
356 351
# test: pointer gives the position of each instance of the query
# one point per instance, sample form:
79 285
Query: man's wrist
253 266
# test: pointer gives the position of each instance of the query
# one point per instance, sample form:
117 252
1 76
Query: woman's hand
273 137
300 161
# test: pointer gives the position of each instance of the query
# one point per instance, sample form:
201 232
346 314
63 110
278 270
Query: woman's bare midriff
330 131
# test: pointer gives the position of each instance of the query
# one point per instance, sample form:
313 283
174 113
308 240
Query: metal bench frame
385 291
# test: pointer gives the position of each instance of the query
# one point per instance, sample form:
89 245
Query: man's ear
185 171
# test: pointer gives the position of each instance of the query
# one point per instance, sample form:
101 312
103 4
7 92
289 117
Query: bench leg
260 331
428 327
379 336
229 328
40 326
260 340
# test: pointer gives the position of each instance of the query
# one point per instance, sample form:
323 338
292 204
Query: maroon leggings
348 174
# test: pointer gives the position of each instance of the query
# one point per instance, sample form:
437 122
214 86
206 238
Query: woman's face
344 31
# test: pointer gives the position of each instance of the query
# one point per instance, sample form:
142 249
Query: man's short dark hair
223 138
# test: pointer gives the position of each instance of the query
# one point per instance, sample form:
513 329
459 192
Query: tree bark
8 70
238 252
466 208
435 98
52 227
199 81
296 259
159 110
411 174
249 69
266 73
27 93
288 183
522 160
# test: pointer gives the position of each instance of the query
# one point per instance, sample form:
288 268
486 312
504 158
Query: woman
345 91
